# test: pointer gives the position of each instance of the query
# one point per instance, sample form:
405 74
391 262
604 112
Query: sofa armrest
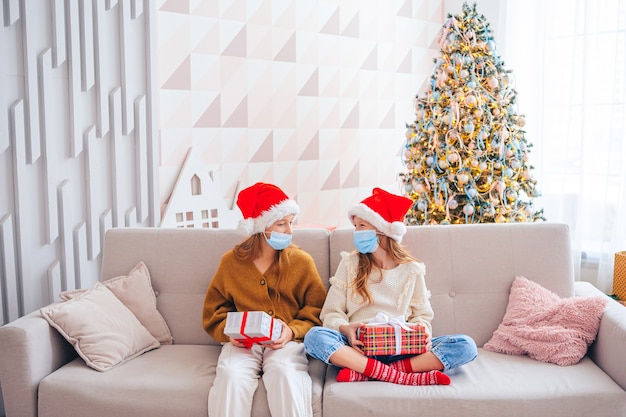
30 349
607 351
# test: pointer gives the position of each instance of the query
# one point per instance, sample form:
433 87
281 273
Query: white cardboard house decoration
196 201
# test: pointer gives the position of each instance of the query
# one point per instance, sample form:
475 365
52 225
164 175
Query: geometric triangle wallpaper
310 95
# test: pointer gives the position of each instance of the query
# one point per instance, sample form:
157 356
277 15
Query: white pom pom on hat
385 211
262 205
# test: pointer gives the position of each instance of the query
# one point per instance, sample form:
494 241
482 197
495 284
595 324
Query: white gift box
251 327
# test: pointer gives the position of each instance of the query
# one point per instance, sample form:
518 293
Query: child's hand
349 331
236 343
286 335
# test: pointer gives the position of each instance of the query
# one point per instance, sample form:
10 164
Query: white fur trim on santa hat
251 226
394 230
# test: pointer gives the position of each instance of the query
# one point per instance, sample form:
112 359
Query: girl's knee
311 334
467 349
235 373
320 342
315 336
470 345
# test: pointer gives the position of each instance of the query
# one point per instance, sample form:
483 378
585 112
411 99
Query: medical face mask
278 241
365 241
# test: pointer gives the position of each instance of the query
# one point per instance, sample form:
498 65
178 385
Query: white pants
285 376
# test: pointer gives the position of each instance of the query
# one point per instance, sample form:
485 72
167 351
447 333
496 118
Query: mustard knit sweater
240 286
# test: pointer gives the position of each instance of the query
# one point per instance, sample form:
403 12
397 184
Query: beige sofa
469 273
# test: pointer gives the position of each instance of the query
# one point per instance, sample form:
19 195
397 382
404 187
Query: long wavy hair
250 249
367 264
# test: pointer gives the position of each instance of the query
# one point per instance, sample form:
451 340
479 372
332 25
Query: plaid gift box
250 327
393 339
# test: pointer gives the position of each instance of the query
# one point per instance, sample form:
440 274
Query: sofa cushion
492 385
135 291
104 332
173 380
546 327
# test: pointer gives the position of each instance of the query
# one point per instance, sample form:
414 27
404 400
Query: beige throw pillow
135 291
104 332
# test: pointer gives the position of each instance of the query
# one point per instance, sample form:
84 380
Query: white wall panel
91 194
20 188
4 121
81 265
106 222
54 281
115 110
12 11
49 184
86 44
74 75
58 33
102 96
152 119
68 280
130 218
126 48
9 287
136 8
70 171
28 11
142 159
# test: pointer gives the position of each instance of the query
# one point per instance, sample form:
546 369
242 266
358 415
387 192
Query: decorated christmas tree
466 156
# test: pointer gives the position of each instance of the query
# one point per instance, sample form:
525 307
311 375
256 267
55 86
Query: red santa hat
262 205
385 211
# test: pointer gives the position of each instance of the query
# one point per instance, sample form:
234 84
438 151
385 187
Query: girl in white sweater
381 276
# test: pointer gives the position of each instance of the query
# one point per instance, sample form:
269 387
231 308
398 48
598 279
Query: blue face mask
365 241
278 241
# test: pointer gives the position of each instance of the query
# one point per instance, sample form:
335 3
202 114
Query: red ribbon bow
249 341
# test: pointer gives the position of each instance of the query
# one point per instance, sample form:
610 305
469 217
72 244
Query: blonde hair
367 263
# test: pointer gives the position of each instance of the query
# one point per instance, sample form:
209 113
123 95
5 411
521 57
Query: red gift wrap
393 339
252 327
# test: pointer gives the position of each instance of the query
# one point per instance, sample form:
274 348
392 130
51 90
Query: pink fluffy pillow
546 327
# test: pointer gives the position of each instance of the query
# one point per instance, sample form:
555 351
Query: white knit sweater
401 292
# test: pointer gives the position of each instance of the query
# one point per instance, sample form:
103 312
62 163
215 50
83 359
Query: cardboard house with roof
196 201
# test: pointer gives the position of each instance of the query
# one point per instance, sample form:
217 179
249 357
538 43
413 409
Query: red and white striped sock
379 371
403 365
348 375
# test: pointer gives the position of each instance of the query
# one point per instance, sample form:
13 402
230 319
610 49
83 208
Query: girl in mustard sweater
267 273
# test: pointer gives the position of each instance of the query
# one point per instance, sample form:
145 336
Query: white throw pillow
135 291
104 332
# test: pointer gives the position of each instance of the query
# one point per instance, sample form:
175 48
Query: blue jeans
452 350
